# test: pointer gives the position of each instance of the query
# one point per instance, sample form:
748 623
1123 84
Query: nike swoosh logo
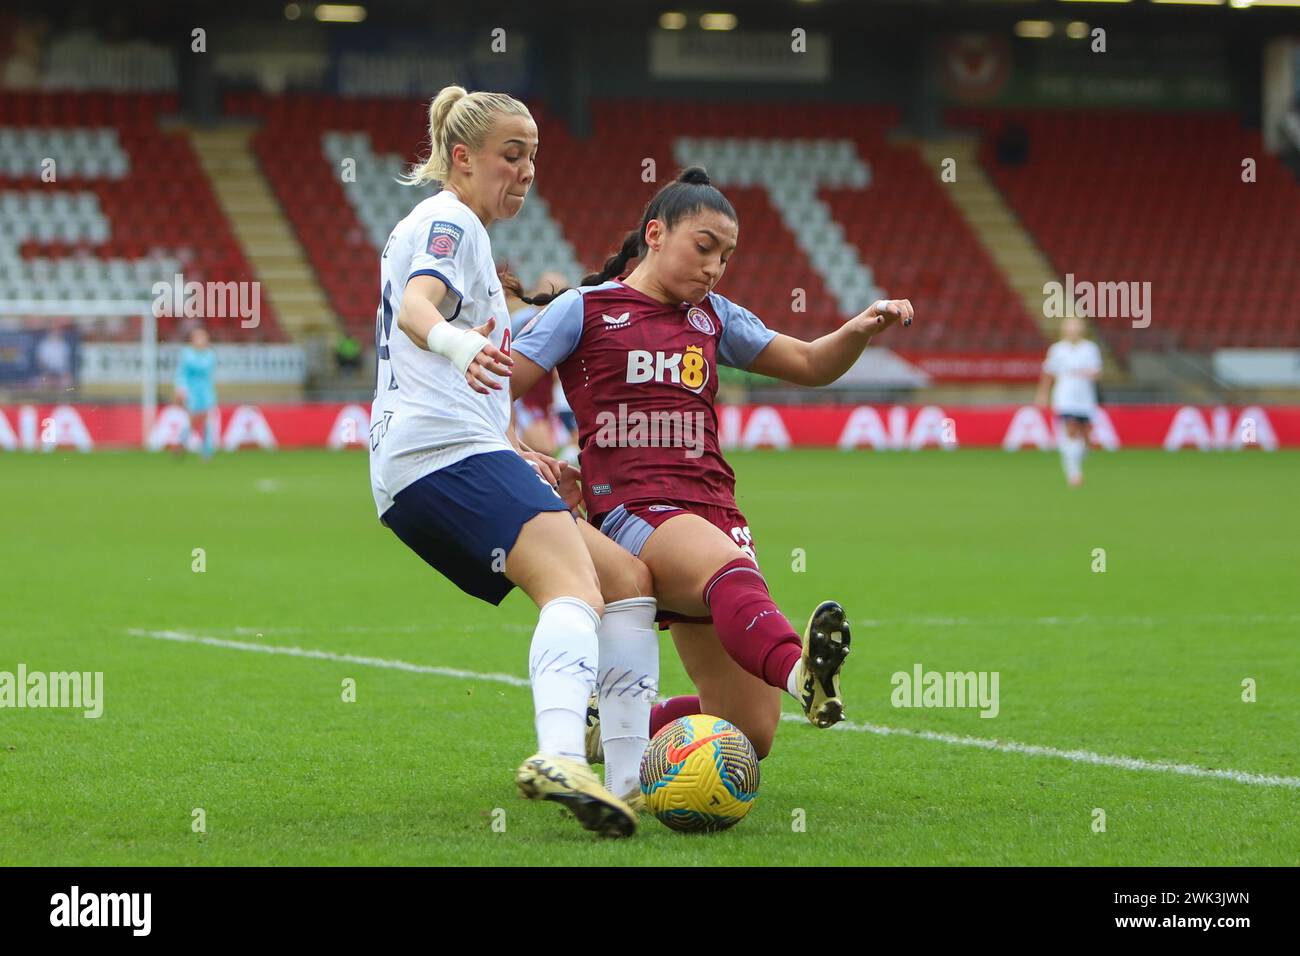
494 292
678 754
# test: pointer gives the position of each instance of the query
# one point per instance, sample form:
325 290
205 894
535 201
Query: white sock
628 685
1070 455
562 669
792 684
1077 447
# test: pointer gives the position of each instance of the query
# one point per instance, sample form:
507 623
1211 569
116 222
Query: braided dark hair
690 192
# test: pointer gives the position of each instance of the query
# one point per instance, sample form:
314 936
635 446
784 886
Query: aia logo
688 369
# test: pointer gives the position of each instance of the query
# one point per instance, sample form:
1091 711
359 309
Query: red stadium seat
596 208
1159 198
163 205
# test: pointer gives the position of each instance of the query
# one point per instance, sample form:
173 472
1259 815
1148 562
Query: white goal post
100 308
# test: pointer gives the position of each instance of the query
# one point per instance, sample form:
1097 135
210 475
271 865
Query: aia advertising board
37 428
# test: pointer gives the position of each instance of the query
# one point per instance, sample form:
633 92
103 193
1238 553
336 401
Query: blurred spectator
1012 145
1291 125
54 359
347 352
20 52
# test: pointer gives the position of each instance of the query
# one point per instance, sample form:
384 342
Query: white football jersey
425 416
1072 392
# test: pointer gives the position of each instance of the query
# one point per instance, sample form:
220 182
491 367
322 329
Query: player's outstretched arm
470 350
824 360
526 374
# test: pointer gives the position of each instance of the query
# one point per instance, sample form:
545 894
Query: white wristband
459 346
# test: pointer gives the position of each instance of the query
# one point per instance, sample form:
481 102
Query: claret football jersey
641 376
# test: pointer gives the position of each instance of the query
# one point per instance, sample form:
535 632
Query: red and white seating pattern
826 205
1161 198
531 242
128 206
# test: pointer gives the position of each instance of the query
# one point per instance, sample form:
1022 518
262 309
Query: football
699 774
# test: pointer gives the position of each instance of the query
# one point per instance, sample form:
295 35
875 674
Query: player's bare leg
699 571
682 554
1073 448
621 574
201 422
182 441
550 560
726 689
194 422
551 564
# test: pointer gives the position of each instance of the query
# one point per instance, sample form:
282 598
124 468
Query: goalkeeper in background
196 389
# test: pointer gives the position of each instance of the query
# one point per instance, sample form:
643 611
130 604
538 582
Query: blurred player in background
445 473
54 359
539 420
566 423
1071 370
196 389
650 345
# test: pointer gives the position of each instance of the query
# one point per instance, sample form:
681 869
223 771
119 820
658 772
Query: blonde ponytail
458 116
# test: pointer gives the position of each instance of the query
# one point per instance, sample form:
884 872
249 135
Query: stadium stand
128 207
845 238
343 222
1160 197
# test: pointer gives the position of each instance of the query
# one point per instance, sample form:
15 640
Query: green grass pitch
973 560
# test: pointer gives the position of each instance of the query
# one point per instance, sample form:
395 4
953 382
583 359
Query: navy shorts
1078 419
464 519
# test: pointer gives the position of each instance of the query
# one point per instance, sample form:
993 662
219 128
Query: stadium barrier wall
877 427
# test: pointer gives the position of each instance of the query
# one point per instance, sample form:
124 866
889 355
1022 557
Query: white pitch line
1003 746
511 626
1077 756
1126 620
183 638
